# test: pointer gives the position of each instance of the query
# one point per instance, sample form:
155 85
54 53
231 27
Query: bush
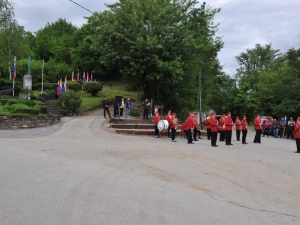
30 111
18 106
70 101
50 86
92 87
51 94
135 113
73 85
7 84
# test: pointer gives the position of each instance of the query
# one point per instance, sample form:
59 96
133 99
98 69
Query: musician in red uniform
214 129
228 128
168 118
244 129
156 120
207 124
258 127
296 134
222 127
237 128
189 127
196 126
173 124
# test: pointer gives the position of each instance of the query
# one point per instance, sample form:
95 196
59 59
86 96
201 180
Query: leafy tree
159 45
55 41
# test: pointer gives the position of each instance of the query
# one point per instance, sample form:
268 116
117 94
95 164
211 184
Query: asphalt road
76 172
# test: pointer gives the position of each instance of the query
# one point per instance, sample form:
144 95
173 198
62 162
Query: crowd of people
224 125
118 108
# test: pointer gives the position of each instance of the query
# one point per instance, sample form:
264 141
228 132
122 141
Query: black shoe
199 137
228 144
215 145
231 144
296 152
238 140
190 143
196 140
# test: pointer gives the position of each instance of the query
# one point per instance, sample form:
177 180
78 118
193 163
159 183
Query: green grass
118 89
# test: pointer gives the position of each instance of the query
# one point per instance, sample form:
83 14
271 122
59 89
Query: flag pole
15 74
42 78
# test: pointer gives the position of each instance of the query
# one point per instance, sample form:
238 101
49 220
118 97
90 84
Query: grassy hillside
118 89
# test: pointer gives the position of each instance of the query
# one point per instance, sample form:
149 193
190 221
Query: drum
163 124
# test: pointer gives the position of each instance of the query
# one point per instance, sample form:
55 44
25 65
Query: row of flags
85 77
61 88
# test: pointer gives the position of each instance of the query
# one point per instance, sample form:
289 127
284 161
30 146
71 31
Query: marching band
224 126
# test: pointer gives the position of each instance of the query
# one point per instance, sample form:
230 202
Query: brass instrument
223 127
208 118
175 122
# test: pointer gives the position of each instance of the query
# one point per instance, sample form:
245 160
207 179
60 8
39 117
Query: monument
27 83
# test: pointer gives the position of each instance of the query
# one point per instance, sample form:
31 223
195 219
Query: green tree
159 45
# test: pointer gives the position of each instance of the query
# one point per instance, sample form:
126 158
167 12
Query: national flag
285 119
87 76
15 67
58 88
83 77
65 84
91 77
73 76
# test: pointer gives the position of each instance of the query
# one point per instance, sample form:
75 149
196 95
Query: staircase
53 109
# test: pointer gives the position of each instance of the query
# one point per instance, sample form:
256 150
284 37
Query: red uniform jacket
237 123
183 126
171 123
156 120
189 123
244 125
168 118
221 123
257 123
207 124
296 131
228 123
213 124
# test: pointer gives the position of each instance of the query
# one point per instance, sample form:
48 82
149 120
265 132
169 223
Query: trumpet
208 118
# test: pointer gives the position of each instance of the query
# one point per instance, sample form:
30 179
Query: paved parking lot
76 172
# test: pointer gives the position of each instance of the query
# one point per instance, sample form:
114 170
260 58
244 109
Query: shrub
70 101
30 111
92 87
51 94
73 85
50 86
7 84
135 113
18 106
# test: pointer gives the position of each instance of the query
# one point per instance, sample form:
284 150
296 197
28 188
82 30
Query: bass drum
163 125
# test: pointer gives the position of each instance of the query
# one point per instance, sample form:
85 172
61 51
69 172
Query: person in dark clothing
146 105
105 105
291 124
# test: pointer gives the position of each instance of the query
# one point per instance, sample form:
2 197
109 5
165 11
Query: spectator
291 124
122 107
267 127
275 127
146 105
282 127
128 107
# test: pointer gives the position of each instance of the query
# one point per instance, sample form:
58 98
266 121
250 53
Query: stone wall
13 123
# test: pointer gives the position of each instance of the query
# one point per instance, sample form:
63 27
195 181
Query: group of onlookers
118 107
271 126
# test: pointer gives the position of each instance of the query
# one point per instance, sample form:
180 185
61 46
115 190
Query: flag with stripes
15 67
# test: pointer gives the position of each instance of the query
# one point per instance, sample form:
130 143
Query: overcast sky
243 23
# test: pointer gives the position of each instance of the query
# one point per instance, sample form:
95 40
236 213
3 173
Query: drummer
173 125
156 120
168 118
